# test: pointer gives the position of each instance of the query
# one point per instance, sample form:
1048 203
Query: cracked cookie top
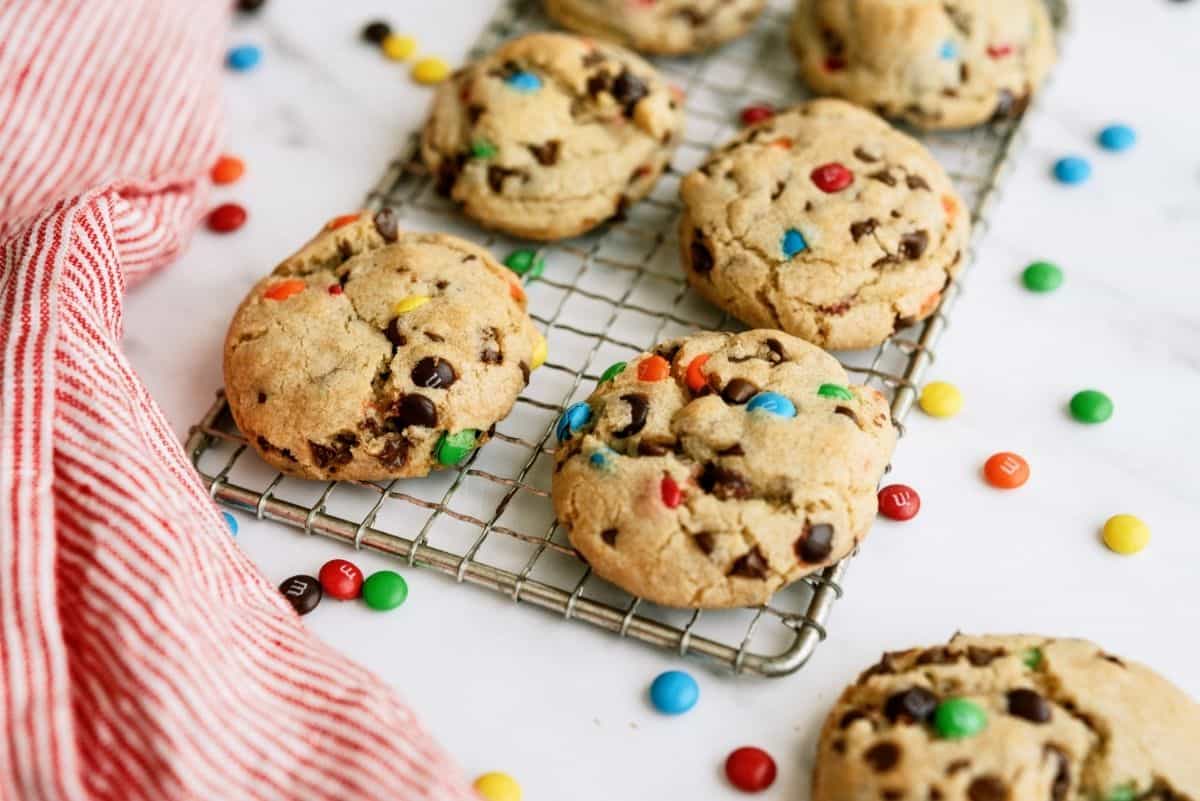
374 353
720 467
1009 718
825 222
933 63
659 26
551 135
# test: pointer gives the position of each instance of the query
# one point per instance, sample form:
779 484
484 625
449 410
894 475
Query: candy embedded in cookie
658 26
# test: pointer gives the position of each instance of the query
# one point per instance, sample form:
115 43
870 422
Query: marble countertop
563 706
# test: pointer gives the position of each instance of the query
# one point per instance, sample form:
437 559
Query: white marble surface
562 706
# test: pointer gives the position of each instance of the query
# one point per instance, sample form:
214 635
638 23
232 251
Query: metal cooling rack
603 298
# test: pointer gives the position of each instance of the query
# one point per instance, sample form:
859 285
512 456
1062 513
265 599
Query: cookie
374 353
551 135
933 64
825 222
1009 718
658 26
720 467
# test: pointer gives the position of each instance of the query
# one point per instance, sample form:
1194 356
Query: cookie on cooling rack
721 467
934 64
550 135
663 27
374 353
823 221
1009 718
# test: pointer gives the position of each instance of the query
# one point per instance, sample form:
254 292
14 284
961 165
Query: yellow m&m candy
498 787
430 70
1126 534
941 399
411 302
397 47
540 351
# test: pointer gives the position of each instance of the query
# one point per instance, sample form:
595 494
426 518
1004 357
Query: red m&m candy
756 113
750 769
899 502
341 579
226 217
832 177
672 496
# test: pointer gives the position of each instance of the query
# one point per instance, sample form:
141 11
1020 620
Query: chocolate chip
345 249
705 542
884 261
496 176
815 544
1009 105
374 32
447 174
387 224
982 657
987 788
892 794
912 246
394 452
1062 777
778 190
609 535
838 746
668 352
935 794
302 592
593 57
546 153
638 406
651 448
524 371
597 83
941 655
733 450
882 757
850 717
725 484
863 228
750 565
628 90
738 391
884 177
434 373
863 155
778 354
957 765
414 410
702 258
269 448
336 453
1029 705
964 73
916 182
474 112
441 285
491 355
914 705
392 332
1107 657
262 397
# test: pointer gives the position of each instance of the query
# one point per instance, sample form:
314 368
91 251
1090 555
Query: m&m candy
572 421
611 372
655 368
899 502
674 692
750 769
1091 406
1117 138
1126 534
497 786
524 261
340 579
956 718
524 81
226 218
302 592
397 47
376 31
541 351
1072 170
772 403
941 399
756 113
832 177
453 447
1006 470
695 378
285 289
793 243
671 494
227 170
243 57
230 521
385 590
430 70
836 391
1042 276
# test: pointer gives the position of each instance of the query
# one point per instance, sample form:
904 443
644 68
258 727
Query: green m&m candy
525 262
1042 276
612 372
482 149
1032 658
956 718
1091 406
1122 792
451 448
834 391
384 590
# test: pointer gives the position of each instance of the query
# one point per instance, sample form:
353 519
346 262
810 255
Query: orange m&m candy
695 373
1006 470
227 170
342 220
285 289
655 368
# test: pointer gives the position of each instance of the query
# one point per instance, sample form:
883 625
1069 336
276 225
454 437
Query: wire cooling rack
602 298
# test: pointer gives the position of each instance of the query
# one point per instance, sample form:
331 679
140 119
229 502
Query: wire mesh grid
602 298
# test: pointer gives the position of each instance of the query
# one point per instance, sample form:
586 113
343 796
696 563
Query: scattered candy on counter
498 787
525 262
899 502
1006 470
956 718
674 692
757 113
430 70
941 399
1091 406
226 218
1042 276
227 170
302 592
232 522
750 769
384 590
376 31
398 47
341 579
243 57
612 371
1072 170
1117 138
1126 534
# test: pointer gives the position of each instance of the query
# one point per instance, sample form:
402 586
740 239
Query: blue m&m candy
243 57
772 403
674 692
524 82
1072 170
793 243
574 418
230 521
948 50
1117 137
602 458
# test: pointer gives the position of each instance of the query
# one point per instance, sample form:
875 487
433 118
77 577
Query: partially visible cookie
721 467
934 64
823 221
658 26
550 135
1009 718
374 353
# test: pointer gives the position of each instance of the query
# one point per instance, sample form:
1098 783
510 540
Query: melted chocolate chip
705 542
892 794
912 246
1062 776
863 228
524 371
733 450
935 794
441 285
914 705
863 155
395 452
916 182
491 355
883 756
883 176
941 655
392 332
262 397
815 544
639 404
850 717
337 453
628 90
957 765
345 249
987 788
651 448
546 153
724 483
778 190
982 657
598 83
496 175
432 337
434 373
414 410
474 112
778 354
387 224
702 258
447 174
264 445
609 535
1029 705
750 565
738 391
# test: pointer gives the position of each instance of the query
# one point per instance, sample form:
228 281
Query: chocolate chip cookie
934 64
823 221
658 26
720 467
551 135
1009 718
374 353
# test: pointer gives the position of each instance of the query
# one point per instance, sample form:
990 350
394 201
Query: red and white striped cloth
141 655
